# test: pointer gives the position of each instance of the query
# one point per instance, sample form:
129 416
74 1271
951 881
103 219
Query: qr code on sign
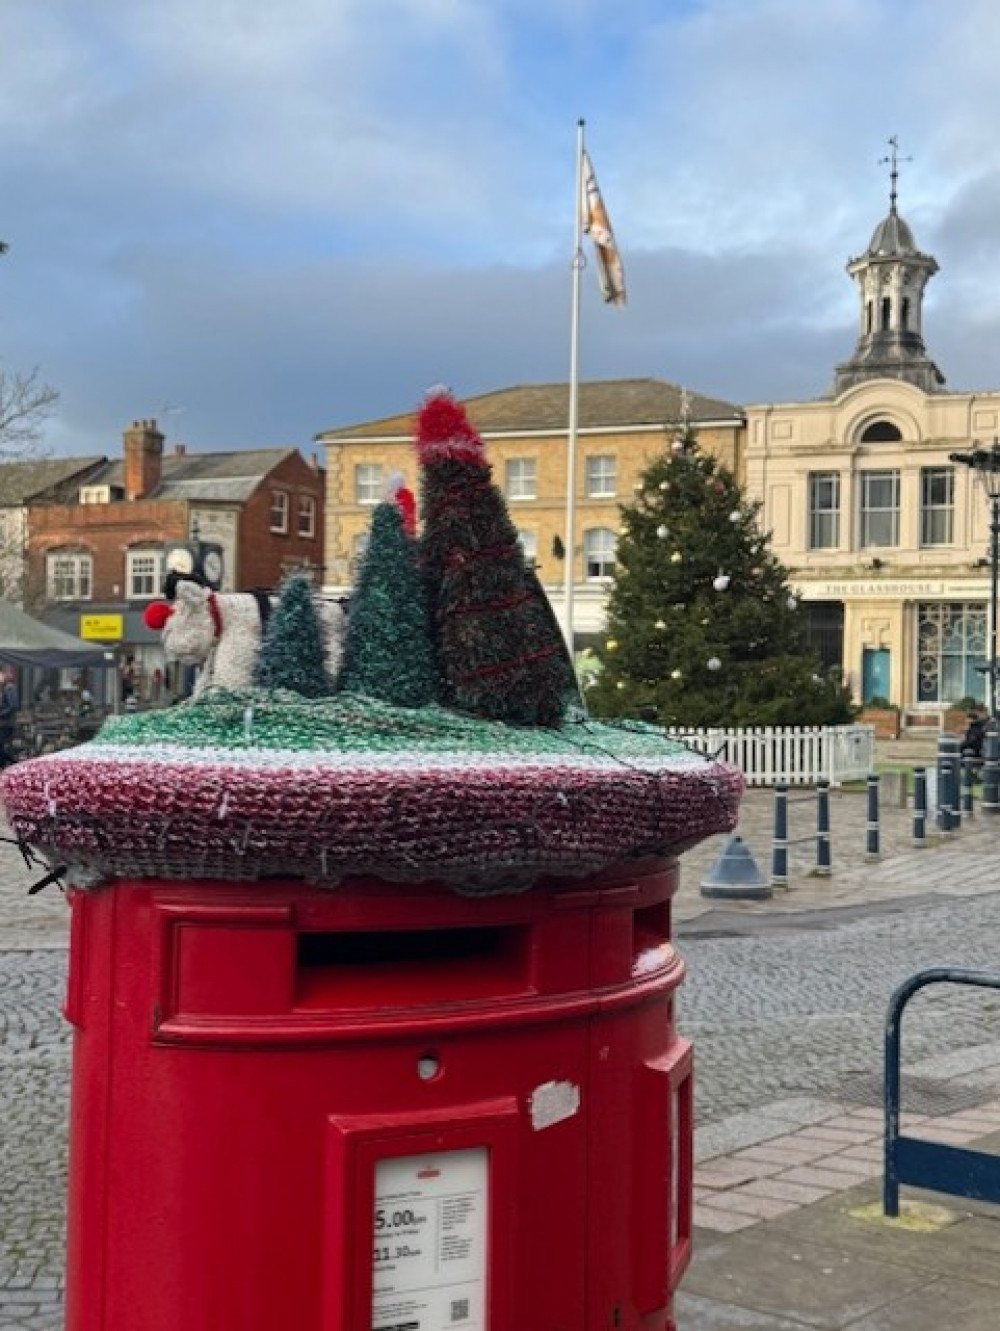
460 1310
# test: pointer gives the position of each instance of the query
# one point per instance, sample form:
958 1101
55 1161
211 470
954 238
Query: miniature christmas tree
292 654
388 652
703 628
500 654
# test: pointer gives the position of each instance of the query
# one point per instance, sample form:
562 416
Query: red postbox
443 1091
385 1107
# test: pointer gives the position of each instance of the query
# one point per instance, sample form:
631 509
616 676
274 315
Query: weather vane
893 160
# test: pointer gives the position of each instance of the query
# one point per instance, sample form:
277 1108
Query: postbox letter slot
345 968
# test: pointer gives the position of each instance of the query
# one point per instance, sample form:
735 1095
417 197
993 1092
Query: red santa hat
399 493
445 433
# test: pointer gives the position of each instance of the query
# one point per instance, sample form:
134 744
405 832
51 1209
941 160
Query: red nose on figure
156 614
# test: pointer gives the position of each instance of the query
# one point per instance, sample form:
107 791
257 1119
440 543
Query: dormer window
100 494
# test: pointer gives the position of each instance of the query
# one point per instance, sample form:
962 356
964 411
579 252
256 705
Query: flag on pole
597 225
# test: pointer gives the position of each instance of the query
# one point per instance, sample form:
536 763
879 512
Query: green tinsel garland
353 723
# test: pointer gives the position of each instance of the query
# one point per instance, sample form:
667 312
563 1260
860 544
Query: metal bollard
824 865
968 777
948 812
872 851
779 852
920 807
990 802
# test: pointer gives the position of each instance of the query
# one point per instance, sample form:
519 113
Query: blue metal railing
949 1169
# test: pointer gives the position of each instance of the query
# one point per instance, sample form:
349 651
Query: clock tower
891 276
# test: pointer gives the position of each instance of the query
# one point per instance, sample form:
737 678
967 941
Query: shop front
920 644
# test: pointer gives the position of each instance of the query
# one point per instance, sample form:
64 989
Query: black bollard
990 802
779 853
920 807
872 850
968 777
823 861
948 814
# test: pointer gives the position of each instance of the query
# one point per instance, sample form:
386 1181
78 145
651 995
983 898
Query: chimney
180 450
143 456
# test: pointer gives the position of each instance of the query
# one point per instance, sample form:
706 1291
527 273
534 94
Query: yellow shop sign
102 628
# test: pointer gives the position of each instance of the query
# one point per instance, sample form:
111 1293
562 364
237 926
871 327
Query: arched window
598 553
881 432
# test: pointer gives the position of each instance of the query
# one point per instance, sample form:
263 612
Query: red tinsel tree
500 653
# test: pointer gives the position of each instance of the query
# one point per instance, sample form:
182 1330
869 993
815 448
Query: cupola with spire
891 276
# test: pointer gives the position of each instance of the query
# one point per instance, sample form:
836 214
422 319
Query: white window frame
869 513
528 541
69 576
307 517
143 583
824 510
279 512
368 483
937 513
601 475
598 563
521 478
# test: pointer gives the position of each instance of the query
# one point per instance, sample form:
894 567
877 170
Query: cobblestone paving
796 1012
34 1074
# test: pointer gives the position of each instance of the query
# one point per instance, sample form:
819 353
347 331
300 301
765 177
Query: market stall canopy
25 641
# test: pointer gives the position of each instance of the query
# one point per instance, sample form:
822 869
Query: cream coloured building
623 425
886 537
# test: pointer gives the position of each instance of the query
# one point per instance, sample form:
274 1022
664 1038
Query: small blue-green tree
388 652
292 654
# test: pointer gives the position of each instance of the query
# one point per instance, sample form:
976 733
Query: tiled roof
21 481
608 403
211 477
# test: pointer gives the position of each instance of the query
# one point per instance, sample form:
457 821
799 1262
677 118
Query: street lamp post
985 464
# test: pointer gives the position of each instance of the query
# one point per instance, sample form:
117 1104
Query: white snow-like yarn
226 644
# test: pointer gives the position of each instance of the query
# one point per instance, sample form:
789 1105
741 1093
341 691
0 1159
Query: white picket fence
789 755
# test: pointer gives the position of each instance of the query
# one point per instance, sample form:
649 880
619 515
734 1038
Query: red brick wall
105 531
266 555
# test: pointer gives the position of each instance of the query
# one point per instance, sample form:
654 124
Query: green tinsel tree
292 654
499 650
387 652
703 628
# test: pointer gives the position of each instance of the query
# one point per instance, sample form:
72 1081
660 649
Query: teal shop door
874 673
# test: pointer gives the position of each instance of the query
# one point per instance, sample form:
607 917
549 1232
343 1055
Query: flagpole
574 396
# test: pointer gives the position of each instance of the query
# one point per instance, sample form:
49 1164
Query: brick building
96 543
20 484
623 425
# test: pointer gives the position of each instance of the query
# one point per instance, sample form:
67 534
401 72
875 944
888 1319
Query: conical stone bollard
735 874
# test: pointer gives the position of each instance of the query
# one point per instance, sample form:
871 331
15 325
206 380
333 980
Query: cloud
287 217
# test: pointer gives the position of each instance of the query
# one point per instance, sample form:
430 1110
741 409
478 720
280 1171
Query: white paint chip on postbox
553 1102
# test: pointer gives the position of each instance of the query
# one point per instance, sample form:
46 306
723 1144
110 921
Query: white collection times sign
430 1225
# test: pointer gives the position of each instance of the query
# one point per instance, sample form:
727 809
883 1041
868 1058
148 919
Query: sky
254 221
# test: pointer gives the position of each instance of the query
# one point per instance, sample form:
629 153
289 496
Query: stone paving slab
960 863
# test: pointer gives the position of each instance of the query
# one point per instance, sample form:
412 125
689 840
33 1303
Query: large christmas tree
703 628
499 650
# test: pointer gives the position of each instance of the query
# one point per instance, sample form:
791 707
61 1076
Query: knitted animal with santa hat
499 650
